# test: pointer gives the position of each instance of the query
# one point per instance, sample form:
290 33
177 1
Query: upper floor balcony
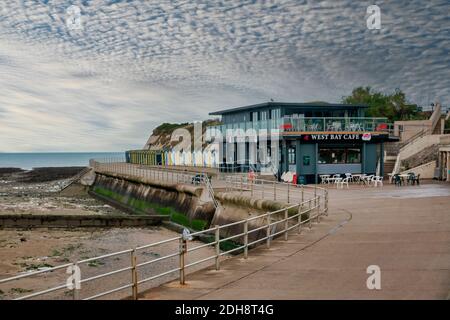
302 125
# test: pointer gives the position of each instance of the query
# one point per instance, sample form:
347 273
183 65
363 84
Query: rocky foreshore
36 191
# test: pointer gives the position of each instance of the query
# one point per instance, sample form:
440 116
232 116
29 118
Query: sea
32 160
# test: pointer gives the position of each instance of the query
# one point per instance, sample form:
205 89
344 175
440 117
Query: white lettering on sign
335 136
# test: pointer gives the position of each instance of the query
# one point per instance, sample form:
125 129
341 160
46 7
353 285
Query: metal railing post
318 209
303 194
262 191
241 185
286 224
274 191
182 248
134 288
217 245
246 239
268 230
288 193
299 230
309 214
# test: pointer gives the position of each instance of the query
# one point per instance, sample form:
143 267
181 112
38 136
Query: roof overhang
289 105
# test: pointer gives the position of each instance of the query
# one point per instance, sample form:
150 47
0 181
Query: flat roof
288 104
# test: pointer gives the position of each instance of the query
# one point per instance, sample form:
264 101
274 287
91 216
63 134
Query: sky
103 79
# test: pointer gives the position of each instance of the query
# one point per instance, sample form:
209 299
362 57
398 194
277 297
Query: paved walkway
405 231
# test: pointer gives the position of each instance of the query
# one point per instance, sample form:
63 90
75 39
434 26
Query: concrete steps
389 165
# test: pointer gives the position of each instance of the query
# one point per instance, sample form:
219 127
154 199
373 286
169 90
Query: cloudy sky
135 64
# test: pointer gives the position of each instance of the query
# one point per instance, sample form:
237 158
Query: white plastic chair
349 176
340 183
377 180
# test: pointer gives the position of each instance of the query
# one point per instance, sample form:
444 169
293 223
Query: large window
339 155
263 115
275 114
291 155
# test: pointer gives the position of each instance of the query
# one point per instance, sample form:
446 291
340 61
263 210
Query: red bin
294 178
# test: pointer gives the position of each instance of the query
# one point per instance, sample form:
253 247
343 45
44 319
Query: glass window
254 116
339 155
291 155
263 115
275 113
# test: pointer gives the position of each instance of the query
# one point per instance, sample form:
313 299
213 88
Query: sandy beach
23 250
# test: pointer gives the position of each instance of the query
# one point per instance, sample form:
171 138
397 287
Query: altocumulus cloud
135 64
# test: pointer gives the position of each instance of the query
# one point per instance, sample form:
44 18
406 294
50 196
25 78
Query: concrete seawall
76 221
145 197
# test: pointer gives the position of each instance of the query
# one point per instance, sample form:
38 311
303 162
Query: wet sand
35 192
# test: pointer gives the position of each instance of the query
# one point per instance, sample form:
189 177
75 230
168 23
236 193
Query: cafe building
312 139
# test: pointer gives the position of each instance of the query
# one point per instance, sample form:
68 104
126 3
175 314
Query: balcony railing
318 124
333 124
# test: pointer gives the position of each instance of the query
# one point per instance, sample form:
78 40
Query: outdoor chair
397 180
377 181
411 178
349 176
416 180
340 183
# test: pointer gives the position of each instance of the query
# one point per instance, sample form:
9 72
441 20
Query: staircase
389 165
75 178
211 192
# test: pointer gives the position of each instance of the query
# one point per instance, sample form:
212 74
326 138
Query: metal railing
273 190
270 225
143 172
312 124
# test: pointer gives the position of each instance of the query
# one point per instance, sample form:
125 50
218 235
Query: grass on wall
142 207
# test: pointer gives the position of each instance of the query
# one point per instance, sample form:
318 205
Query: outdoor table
365 179
403 177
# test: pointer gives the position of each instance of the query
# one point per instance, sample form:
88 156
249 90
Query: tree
392 106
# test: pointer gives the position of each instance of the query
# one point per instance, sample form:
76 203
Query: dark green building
313 139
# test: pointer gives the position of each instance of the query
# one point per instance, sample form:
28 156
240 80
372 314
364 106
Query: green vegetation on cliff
143 207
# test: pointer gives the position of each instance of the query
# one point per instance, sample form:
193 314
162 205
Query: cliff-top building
313 138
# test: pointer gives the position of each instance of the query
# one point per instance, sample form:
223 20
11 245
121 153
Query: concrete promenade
405 231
